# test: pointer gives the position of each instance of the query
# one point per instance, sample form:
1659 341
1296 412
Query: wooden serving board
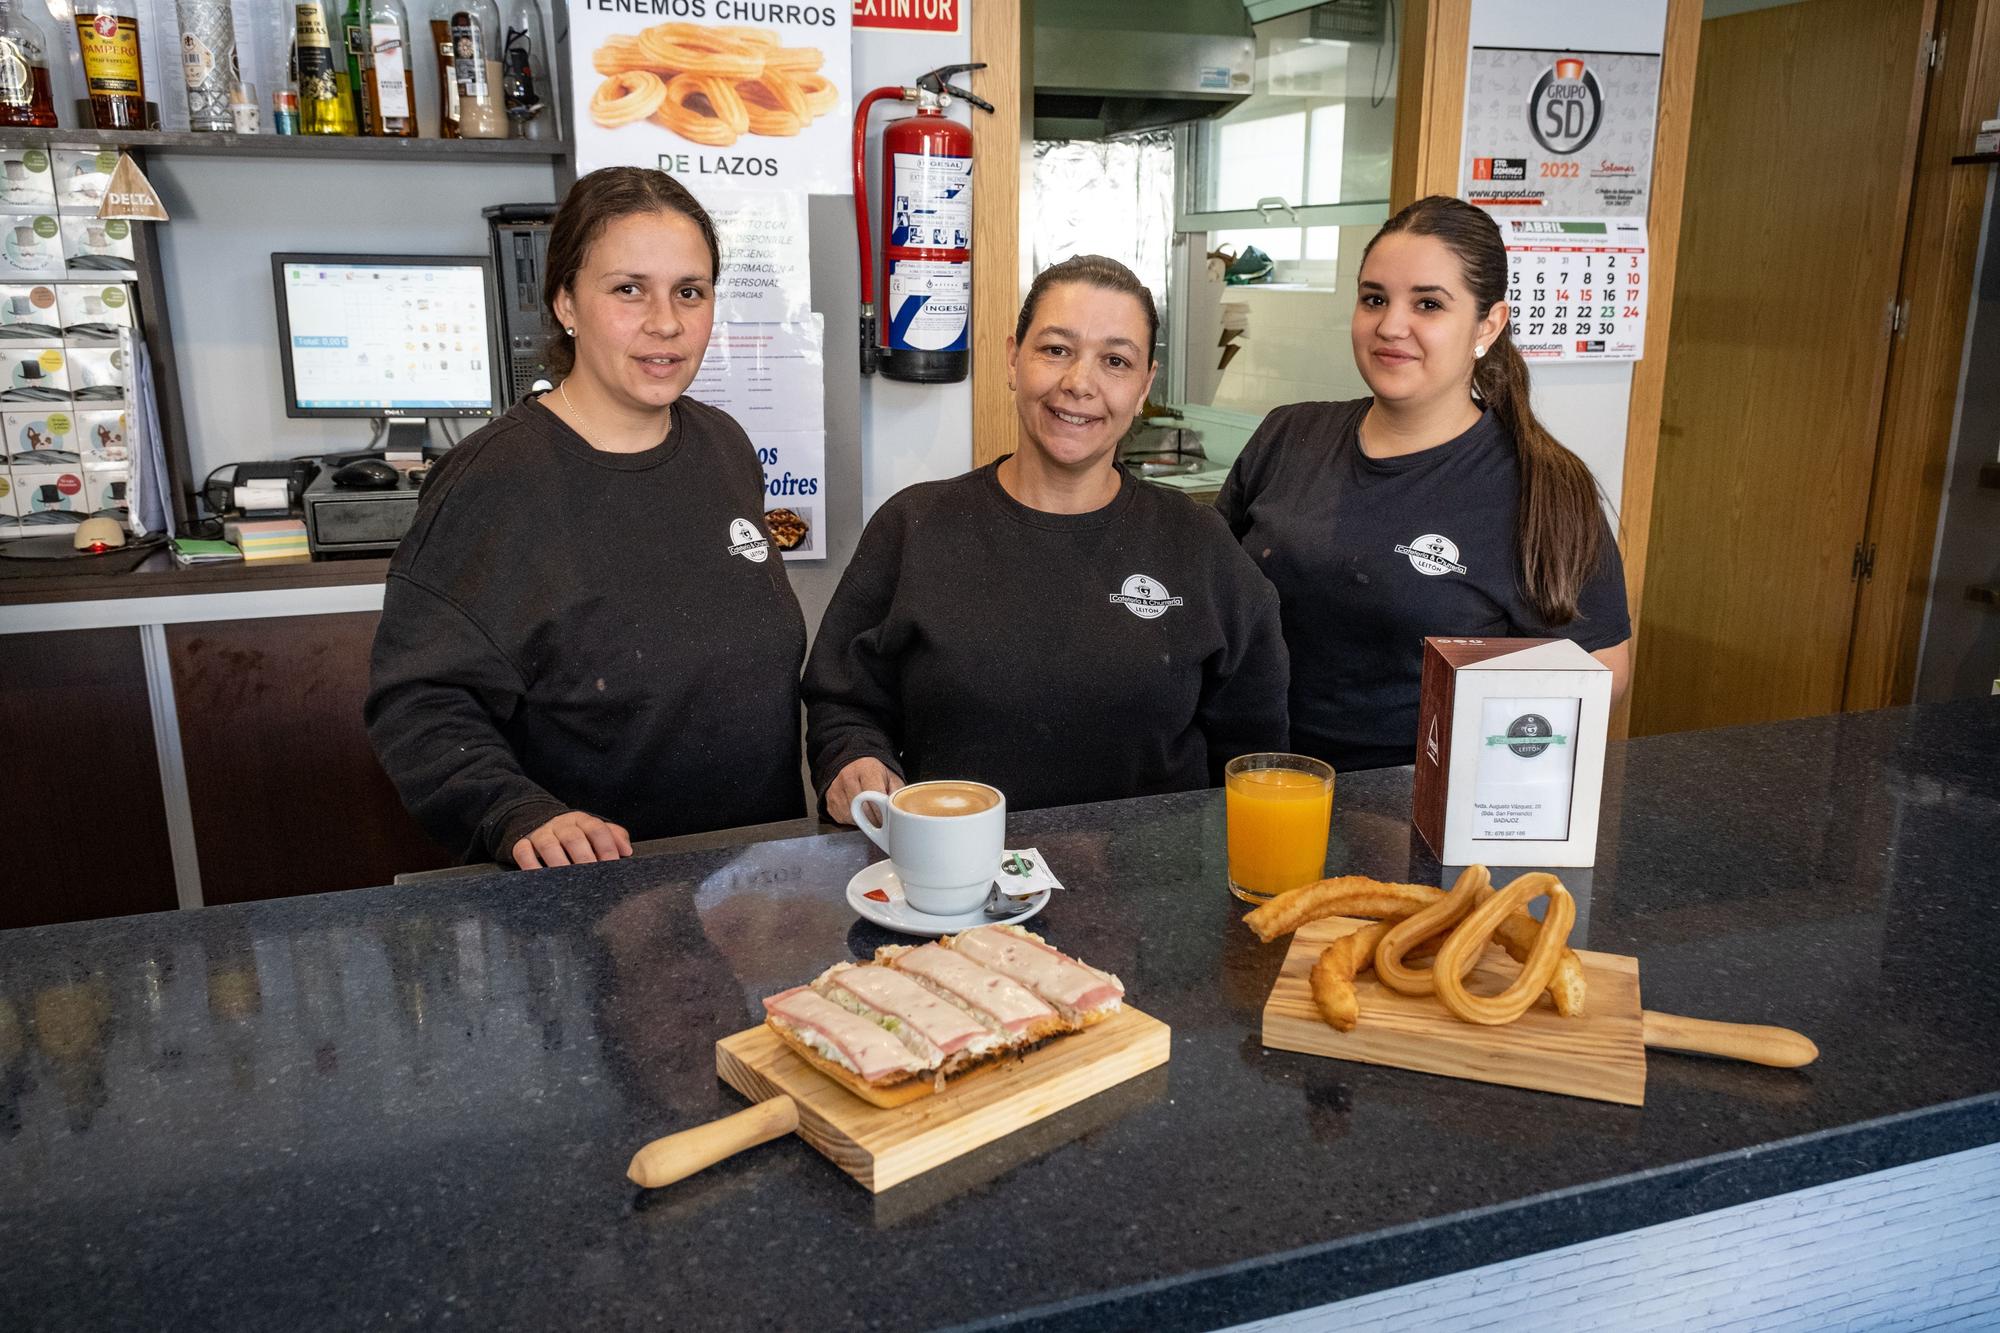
883 1147
1601 1054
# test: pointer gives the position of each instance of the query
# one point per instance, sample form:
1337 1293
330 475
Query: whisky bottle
390 93
26 97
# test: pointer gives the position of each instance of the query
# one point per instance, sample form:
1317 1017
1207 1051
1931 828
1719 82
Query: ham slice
873 1052
937 1020
1006 1002
1049 973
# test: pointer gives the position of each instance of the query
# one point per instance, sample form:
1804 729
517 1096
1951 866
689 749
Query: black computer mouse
368 474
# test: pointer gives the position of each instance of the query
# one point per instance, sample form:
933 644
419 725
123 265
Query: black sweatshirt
1058 657
570 629
1370 555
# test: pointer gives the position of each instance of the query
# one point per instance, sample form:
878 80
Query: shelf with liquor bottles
349 89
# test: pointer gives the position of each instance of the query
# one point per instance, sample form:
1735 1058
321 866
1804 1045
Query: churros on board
710 85
1410 918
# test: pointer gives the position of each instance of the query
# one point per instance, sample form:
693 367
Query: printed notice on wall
1577 287
1562 133
794 464
766 275
767 376
735 92
1527 762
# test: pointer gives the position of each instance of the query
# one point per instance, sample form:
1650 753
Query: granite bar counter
414 1105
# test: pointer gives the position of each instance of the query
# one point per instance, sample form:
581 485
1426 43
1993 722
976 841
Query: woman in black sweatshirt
587 636
1047 624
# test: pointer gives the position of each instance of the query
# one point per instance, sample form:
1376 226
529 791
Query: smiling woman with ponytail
1438 506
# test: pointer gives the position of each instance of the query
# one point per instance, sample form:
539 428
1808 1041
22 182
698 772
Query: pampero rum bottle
107 33
26 95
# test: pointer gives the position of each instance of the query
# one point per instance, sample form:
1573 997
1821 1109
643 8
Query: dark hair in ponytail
1559 520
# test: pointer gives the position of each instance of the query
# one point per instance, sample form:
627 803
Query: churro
1472 887
1538 969
623 98
716 83
1358 896
1345 895
1333 975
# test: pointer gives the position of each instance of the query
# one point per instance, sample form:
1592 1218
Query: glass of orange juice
1280 807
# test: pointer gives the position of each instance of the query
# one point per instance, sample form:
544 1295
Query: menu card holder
1510 751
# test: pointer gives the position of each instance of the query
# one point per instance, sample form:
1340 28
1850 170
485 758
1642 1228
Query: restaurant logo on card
1432 554
1144 597
746 541
1529 736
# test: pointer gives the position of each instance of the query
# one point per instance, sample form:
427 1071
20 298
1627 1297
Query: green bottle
360 55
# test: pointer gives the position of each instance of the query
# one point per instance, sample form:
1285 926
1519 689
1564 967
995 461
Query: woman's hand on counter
572 838
859 776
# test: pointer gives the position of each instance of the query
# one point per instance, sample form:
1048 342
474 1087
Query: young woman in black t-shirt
1438 506
586 637
1048 624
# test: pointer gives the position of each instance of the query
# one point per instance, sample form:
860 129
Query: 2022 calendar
1577 287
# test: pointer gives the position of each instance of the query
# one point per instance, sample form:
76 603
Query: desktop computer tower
520 257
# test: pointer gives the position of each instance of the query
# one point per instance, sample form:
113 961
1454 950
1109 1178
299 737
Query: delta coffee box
1510 751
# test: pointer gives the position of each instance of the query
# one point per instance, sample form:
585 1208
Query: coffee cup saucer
877 895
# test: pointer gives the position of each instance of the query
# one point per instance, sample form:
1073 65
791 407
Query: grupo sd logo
1566 107
105 26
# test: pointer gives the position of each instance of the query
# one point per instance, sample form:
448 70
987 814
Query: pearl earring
570 332
1479 350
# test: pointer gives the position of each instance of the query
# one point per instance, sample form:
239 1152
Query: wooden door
285 791
1798 183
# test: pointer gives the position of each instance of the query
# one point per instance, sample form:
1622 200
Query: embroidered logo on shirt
1144 597
746 541
1432 554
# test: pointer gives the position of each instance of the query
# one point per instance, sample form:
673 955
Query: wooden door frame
1430 128
1003 145
1940 252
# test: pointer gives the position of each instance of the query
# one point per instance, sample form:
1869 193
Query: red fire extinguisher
925 335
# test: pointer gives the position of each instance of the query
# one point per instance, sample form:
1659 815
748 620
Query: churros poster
749 94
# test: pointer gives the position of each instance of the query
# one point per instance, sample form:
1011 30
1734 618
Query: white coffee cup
944 838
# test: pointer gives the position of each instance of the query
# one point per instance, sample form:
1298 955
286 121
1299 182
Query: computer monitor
403 338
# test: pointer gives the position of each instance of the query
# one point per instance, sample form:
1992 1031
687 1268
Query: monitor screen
386 336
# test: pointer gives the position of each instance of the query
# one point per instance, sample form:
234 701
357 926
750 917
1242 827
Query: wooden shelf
1972 159
354 148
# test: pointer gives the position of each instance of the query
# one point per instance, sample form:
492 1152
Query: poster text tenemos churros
762 102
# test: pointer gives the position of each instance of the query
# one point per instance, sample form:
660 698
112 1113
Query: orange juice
1278 819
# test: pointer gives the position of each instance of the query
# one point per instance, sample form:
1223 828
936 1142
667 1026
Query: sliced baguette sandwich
896 1029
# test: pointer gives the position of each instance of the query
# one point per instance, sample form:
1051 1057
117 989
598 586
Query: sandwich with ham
897 1028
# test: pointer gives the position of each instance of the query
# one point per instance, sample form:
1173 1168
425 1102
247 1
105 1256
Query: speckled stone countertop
414 1106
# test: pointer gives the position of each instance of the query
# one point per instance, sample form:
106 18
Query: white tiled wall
1916 1247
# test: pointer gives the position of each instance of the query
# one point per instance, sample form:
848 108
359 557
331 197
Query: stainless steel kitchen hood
1110 67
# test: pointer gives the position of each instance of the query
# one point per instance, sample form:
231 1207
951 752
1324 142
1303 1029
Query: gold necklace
563 389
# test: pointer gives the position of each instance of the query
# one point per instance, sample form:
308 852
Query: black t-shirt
565 628
1059 657
1370 555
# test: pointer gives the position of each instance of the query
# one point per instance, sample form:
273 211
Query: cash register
400 339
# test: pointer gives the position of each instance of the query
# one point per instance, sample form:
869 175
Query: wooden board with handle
1600 1054
883 1146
